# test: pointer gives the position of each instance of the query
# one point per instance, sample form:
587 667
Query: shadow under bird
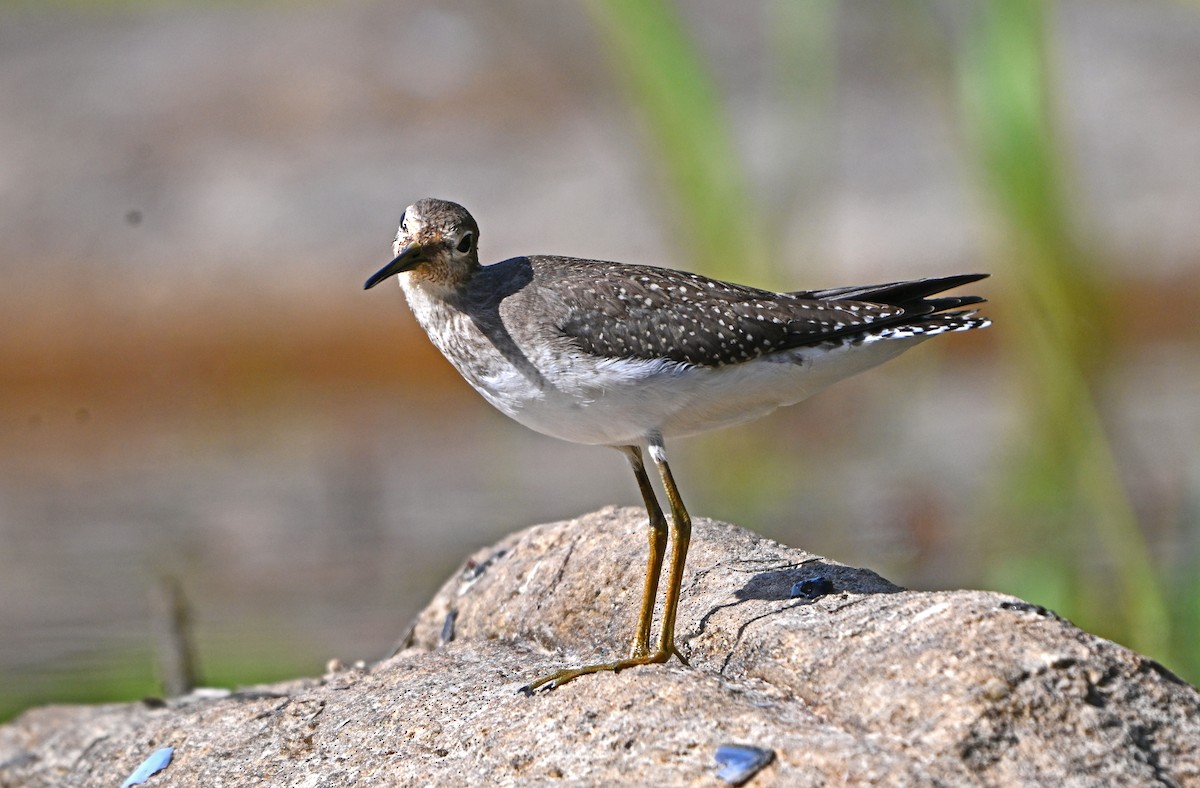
632 355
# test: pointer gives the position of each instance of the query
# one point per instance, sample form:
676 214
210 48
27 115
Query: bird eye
464 245
404 221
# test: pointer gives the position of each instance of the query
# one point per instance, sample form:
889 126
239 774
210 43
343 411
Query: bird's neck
438 281
434 300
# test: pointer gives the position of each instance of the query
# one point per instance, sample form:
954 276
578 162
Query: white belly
622 402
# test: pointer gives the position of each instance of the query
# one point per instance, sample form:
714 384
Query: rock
866 684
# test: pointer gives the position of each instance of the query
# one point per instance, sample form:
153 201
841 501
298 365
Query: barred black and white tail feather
915 314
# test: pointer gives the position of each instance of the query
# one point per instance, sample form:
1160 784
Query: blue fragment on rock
740 762
812 588
157 761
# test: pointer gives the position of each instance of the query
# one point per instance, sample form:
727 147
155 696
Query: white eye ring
464 244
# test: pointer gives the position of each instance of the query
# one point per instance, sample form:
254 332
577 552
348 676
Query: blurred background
195 390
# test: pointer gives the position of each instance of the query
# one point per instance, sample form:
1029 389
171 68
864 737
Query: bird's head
437 243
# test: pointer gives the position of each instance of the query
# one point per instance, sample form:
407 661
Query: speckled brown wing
626 311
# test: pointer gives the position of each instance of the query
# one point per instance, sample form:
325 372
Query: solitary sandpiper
631 355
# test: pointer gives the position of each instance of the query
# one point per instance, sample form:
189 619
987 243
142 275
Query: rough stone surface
869 684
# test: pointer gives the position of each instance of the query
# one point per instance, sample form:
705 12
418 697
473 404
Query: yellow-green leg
681 537
658 546
639 653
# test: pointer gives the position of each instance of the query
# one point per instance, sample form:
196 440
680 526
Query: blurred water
317 528
321 532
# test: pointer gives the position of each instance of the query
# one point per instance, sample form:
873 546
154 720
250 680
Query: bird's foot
561 677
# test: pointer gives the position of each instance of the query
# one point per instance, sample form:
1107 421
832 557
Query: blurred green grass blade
1069 477
674 93
803 48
